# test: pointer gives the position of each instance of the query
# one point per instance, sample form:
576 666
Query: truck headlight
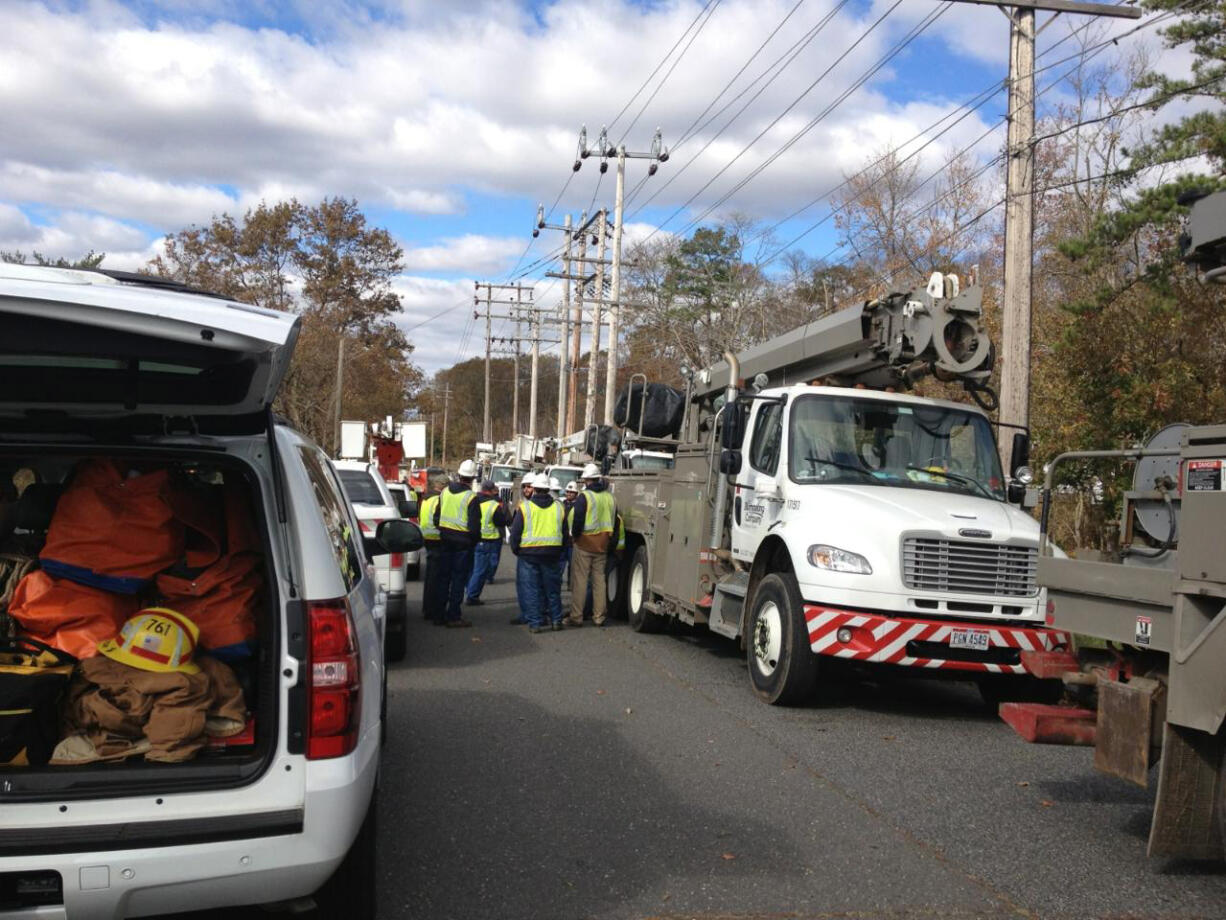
834 559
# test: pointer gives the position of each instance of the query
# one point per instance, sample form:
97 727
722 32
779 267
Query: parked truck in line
822 513
1155 692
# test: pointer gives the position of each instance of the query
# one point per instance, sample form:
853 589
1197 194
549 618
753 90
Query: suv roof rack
157 281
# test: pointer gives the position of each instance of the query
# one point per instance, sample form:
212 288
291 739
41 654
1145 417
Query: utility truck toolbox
821 513
187 566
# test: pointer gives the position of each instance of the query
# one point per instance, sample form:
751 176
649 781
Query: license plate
976 639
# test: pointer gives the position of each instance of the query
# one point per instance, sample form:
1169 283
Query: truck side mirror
730 462
732 431
1020 455
1016 492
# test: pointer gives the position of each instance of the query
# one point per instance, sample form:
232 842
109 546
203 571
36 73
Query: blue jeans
538 586
433 588
455 568
485 564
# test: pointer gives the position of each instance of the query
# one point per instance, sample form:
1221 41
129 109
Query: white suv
373 504
150 376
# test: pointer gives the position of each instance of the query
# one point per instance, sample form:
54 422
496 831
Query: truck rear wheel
641 619
782 667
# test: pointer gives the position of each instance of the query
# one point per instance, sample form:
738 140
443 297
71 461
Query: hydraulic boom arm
892 341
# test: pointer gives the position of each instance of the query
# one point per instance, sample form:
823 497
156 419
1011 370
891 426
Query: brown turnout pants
584 565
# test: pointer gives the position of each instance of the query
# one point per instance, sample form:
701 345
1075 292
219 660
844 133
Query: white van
148 374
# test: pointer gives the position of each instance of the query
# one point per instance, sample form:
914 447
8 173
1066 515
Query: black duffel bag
33 677
661 418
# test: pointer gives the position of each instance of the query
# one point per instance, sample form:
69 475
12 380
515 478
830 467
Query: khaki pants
584 565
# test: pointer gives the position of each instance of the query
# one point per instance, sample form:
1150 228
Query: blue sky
449 122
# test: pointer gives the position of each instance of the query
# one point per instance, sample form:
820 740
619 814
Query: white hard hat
467 470
540 481
591 471
572 486
554 485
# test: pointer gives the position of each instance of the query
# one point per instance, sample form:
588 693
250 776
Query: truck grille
933 564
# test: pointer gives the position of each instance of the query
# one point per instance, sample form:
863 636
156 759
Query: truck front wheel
641 619
782 667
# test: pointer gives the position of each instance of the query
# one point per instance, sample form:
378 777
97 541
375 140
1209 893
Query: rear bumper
902 641
153 879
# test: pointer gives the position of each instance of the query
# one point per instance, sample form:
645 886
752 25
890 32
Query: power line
712 6
663 60
685 134
782 62
897 49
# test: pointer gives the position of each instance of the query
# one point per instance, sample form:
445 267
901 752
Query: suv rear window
360 487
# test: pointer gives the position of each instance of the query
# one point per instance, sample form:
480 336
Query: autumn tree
90 260
326 264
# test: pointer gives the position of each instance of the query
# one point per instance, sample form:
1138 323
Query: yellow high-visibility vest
542 526
601 510
454 513
488 529
425 519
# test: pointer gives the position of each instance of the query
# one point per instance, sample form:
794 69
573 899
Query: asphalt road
598 773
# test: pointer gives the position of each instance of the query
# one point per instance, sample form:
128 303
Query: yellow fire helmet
156 639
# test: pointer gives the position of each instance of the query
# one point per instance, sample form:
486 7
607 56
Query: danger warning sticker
1204 475
1145 630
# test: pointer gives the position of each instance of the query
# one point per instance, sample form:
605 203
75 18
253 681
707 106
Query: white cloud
471 254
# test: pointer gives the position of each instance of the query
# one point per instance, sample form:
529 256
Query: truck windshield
836 439
503 474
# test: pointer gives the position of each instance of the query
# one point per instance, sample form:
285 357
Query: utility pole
516 316
563 321
564 318
535 325
589 408
477 301
1019 201
515 376
572 399
431 454
340 380
446 406
657 155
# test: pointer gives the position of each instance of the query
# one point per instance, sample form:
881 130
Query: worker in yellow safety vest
594 528
458 519
538 538
433 590
485 555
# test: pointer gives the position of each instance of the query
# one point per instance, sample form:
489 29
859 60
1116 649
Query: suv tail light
334 710
397 560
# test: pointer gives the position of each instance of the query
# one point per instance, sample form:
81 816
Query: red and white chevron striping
882 639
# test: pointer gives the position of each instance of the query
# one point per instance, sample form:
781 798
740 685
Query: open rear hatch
88 349
94 370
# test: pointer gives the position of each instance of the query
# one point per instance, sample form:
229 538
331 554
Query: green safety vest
601 511
425 517
454 513
542 526
488 530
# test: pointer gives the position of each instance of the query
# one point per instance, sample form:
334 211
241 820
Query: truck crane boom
888 342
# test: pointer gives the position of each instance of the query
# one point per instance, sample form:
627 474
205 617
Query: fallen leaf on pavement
475 639
729 856
600 692
888 738
1023 783
1046 803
